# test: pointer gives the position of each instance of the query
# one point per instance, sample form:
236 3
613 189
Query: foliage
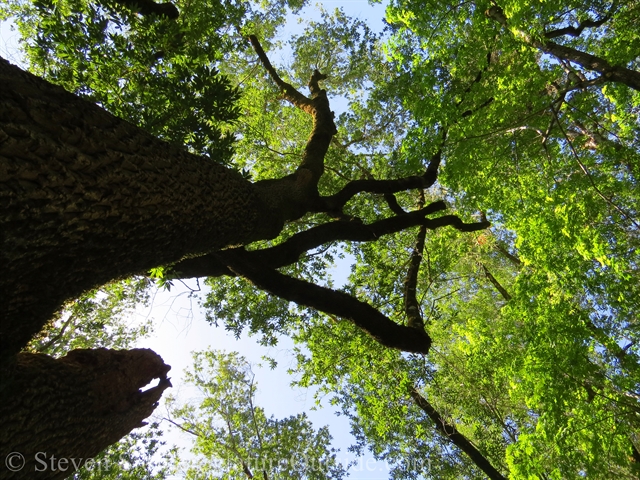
138 455
100 318
235 439
534 322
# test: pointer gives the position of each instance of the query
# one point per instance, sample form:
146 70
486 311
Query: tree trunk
78 404
87 198
450 432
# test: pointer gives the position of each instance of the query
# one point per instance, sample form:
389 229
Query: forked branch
290 251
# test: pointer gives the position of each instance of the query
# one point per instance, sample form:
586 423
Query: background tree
233 438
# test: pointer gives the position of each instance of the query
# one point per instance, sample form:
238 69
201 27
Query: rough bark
86 198
79 405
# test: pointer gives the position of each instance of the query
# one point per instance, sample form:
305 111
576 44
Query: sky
180 327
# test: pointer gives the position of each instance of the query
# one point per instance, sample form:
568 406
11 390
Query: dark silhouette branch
333 302
149 7
411 305
336 201
577 31
450 432
290 251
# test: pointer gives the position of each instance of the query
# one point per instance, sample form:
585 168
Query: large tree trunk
86 198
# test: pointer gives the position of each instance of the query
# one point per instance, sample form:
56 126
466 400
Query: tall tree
88 198
534 323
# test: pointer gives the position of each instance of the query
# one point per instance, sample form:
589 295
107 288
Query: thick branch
411 306
337 201
459 440
333 302
295 193
149 7
289 252
614 73
576 31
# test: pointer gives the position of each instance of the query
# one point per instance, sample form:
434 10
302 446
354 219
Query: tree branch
149 7
296 193
576 31
337 201
512 258
495 283
289 252
288 91
411 305
361 314
450 432
614 73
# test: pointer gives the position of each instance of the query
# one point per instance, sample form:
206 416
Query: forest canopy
477 162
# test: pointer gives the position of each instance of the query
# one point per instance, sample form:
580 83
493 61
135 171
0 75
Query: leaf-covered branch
614 73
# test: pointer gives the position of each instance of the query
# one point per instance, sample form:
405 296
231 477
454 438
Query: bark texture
81 190
86 198
79 405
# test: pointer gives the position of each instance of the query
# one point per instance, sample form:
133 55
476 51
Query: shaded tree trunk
78 404
87 198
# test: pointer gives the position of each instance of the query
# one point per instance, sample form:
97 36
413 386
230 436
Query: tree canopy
504 347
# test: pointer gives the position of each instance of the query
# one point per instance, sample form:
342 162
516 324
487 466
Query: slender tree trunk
459 440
